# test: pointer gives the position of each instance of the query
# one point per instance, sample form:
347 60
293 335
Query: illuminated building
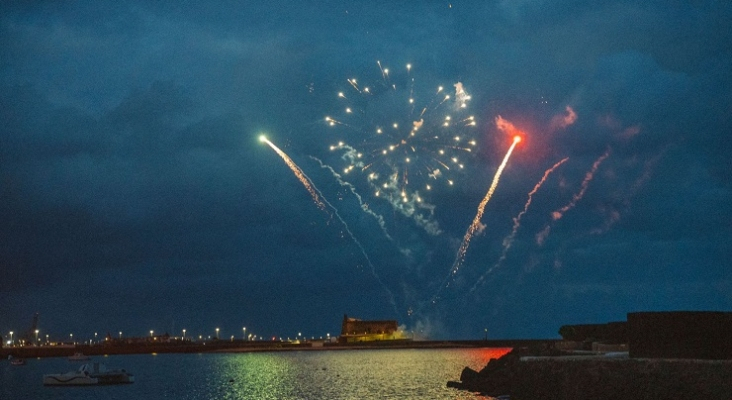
355 330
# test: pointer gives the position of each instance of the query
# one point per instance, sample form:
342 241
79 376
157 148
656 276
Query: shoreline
244 347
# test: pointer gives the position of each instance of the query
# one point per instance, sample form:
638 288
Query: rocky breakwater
598 377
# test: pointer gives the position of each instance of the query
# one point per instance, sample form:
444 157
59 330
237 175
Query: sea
326 374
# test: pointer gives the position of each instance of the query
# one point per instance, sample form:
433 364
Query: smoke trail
558 214
508 240
563 121
352 188
615 215
320 200
476 221
413 208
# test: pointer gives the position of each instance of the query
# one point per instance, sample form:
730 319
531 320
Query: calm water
344 374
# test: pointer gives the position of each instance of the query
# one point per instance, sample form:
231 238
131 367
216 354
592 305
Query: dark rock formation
599 378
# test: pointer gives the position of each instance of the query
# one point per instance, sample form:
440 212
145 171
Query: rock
469 375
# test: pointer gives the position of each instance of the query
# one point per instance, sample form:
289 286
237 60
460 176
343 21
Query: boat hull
69 380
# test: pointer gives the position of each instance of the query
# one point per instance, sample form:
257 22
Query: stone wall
680 334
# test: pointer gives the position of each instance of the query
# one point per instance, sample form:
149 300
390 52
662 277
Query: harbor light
184 334
11 338
217 333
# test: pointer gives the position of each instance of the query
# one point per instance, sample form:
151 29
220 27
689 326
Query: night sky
135 194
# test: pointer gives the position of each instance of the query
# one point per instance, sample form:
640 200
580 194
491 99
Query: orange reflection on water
480 357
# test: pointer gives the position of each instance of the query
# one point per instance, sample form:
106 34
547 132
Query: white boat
90 374
16 361
78 357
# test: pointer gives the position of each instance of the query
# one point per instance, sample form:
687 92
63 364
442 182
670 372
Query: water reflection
337 374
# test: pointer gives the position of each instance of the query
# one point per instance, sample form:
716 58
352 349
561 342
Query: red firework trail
508 241
558 214
476 221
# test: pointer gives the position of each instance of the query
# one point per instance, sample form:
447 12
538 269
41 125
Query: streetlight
11 338
151 333
36 335
184 334
95 337
47 338
244 333
120 334
71 336
217 333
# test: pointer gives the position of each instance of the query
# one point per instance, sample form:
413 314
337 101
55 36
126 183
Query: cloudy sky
135 194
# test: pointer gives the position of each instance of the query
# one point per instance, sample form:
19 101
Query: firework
403 138
476 225
364 207
304 179
508 241
321 201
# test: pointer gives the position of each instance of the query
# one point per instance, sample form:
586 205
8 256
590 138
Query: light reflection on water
337 374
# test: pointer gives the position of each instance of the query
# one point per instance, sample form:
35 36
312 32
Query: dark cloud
131 173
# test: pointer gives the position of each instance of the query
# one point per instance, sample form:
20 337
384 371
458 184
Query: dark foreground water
338 374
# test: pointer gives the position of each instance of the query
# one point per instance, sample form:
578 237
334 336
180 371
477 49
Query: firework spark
475 226
321 201
508 240
364 207
409 138
304 179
